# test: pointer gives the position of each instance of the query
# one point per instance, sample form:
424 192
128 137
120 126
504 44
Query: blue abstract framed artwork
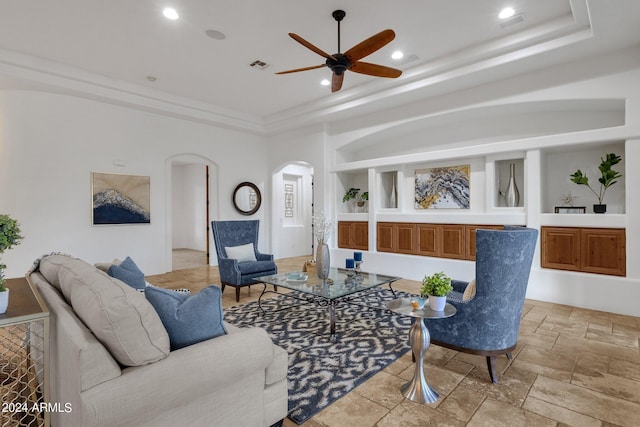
120 199
442 188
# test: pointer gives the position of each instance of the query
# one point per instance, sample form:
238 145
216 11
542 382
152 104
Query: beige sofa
238 379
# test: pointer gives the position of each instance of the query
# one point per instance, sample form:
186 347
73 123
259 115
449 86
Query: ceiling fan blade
302 69
308 45
370 45
375 70
336 82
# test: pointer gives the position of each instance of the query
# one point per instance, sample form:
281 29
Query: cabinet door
385 238
560 248
405 238
360 234
344 234
427 239
603 251
452 241
470 238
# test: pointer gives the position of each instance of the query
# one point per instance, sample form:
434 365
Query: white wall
49 145
366 145
189 204
293 233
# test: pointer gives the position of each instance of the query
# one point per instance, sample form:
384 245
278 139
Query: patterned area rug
320 372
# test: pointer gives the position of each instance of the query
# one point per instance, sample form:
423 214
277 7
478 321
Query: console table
24 363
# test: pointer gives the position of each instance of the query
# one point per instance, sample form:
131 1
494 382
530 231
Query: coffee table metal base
418 390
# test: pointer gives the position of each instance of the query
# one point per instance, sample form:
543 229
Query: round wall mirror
247 198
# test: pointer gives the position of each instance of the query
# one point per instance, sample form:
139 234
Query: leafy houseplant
351 193
9 237
607 179
436 286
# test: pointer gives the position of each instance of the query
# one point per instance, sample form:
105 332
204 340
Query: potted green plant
436 287
9 237
361 202
351 195
607 179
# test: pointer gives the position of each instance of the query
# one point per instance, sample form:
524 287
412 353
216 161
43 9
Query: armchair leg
493 370
509 356
237 293
223 285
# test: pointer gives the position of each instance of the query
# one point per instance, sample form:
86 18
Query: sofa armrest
459 285
198 370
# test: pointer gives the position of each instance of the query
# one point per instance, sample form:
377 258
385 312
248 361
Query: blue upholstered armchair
488 324
245 262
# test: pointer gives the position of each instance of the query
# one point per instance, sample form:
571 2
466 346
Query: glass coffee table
341 286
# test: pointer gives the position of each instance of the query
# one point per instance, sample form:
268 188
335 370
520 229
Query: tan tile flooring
571 367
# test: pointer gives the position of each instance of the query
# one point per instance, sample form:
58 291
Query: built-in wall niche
388 190
347 180
509 191
557 165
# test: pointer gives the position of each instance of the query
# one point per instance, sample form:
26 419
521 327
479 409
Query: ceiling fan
350 60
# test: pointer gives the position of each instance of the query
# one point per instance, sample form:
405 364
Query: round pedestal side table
418 390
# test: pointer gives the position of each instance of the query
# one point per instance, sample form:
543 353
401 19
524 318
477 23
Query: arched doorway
292 210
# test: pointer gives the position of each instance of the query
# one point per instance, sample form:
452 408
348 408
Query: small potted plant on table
436 287
608 178
9 237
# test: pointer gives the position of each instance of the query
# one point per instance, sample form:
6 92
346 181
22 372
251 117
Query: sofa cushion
188 319
241 253
122 319
256 267
129 273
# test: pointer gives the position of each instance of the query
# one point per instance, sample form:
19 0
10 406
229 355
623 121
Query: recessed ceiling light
170 13
325 82
507 12
397 54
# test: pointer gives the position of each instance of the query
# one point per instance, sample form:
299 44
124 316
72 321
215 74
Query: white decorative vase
512 195
4 301
393 198
323 261
437 303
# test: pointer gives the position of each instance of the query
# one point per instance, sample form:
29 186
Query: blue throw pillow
129 273
188 319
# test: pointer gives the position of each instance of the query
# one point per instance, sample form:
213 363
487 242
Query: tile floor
572 366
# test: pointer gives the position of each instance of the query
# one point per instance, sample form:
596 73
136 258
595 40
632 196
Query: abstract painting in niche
442 188
120 199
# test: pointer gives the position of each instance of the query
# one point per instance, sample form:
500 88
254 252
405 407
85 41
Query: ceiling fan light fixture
170 13
397 55
507 12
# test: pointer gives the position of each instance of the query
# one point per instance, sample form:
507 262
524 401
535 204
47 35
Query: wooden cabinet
353 235
436 240
396 237
427 235
470 238
452 238
589 250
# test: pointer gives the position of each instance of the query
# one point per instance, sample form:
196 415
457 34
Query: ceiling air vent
259 65
515 19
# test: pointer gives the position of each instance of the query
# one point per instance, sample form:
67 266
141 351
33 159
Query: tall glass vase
323 260
512 195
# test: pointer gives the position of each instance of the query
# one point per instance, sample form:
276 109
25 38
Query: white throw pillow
241 253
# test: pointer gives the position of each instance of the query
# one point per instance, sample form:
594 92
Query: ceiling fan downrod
338 15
